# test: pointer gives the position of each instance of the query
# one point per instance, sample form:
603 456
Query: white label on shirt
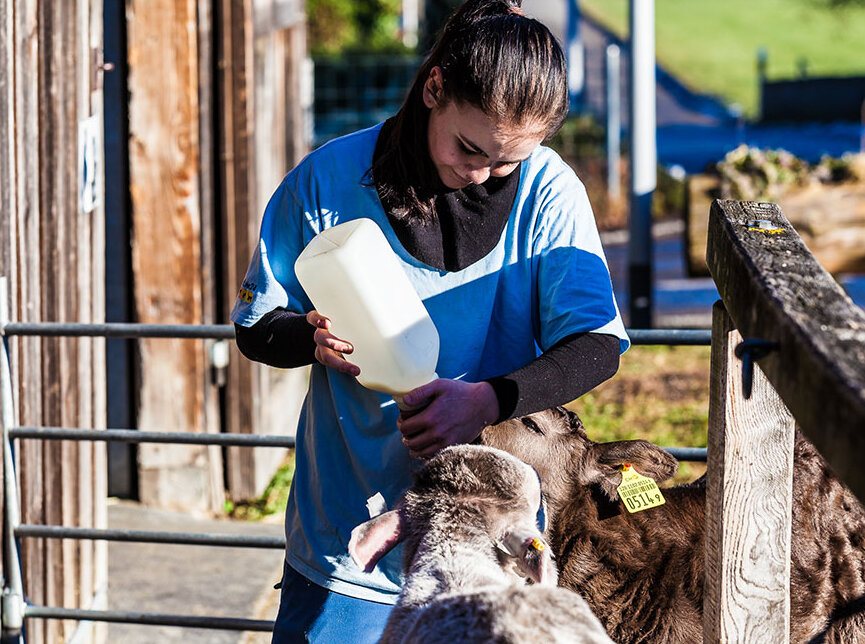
376 505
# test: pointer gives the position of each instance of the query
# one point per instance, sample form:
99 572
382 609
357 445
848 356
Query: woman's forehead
496 138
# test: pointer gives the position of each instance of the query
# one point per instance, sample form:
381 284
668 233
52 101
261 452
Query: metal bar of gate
146 536
234 440
226 331
12 603
150 619
121 330
136 436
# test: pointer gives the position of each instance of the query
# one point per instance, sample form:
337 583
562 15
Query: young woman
496 234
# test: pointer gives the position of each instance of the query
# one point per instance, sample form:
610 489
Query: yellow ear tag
537 544
638 492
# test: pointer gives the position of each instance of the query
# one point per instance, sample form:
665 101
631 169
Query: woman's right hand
329 349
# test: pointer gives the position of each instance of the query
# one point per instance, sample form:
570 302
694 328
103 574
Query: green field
712 46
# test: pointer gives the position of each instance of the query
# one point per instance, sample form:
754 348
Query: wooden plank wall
165 185
261 57
207 145
205 141
235 56
52 251
279 144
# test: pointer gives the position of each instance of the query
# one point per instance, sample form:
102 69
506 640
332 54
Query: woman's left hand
453 412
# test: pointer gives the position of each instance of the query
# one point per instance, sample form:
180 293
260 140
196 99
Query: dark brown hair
492 57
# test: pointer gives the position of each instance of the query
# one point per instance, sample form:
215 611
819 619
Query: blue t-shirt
546 278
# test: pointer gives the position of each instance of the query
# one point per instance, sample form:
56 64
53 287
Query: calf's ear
605 461
373 539
532 555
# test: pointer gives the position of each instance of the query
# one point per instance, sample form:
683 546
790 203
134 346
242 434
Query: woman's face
467 146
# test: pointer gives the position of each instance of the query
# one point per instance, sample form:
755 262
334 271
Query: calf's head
464 488
555 444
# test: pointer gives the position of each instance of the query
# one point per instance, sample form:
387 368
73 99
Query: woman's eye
466 148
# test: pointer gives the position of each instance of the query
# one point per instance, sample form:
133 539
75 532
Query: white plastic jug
352 276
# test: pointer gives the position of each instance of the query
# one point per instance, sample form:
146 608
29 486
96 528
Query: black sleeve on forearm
280 339
574 365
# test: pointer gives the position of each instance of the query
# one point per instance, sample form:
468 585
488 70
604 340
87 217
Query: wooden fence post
748 501
775 290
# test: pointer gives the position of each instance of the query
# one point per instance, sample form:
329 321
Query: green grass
712 45
272 501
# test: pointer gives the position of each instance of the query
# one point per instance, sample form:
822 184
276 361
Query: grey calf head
463 488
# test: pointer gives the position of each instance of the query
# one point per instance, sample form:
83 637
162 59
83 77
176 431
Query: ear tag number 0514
638 492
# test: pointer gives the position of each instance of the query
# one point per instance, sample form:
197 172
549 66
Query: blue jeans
310 613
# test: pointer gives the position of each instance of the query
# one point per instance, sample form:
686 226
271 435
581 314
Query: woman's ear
433 88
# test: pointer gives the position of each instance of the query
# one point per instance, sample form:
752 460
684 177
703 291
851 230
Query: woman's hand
454 412
329 349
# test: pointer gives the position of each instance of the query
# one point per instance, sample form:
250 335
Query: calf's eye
532 426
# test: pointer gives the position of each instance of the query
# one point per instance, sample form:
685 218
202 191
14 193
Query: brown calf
642 573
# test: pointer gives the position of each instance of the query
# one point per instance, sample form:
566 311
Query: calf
642 573
469 515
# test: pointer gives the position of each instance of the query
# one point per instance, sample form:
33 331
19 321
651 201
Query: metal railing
15 609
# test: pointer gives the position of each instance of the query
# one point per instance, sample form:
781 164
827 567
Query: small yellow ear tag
537 544
638 492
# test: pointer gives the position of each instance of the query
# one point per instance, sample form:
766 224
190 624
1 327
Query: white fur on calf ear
533 555
373 539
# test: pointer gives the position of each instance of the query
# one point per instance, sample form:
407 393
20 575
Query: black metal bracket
749 351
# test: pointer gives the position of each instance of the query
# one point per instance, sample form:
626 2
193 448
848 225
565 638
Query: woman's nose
478 174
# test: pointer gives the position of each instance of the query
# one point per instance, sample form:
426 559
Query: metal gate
14 607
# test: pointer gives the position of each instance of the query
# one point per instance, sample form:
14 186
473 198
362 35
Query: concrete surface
190 580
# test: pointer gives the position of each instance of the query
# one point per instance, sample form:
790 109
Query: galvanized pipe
146 536
226 331
695 454
151 619
672 337
644 160
614 123
135 436
121 330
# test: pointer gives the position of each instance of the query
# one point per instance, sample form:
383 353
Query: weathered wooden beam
775 290
749 501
